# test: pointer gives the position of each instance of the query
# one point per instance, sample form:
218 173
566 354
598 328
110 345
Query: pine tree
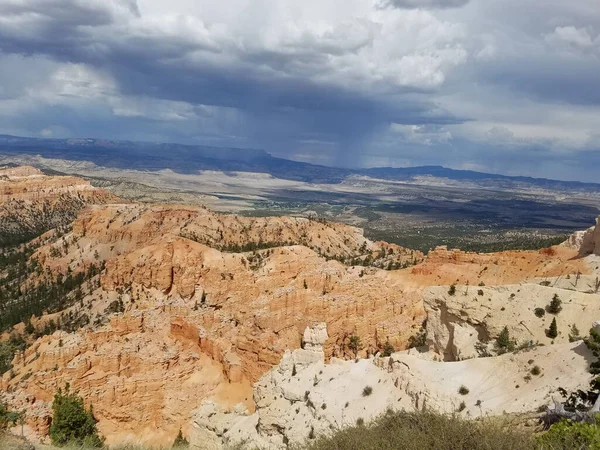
180 441
388 349
29 328
354 344
552 332
71 423
504 343
555 305
8 417
593 343
574 335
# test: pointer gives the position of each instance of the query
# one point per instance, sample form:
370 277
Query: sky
506 86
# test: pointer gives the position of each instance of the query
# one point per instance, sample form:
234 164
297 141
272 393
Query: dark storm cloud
59 28
550 55
570 82
154 63
239 88
149 62
110 68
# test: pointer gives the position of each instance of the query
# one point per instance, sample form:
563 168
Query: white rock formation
212 421
586 242
304 397
458 324
314 338
596 238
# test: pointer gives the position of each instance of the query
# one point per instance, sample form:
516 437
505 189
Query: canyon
32 202
218 325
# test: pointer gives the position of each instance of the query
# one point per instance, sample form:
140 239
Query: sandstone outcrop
241 324
33 203
236 311
142 379
194 307
586 242
596 238
239 312
296 403
466 324
446 267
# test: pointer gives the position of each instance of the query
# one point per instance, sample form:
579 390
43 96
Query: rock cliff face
596 238
447 267
465 325
202 318
194 307
303 397
32 203
586 242
141 377
135 226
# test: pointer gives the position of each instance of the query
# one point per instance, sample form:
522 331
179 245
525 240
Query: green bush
540 312
593 343
418 340
368 390
463 390
8 349
7 352
7 417
355 345
388 349
71 423
567 435
452 290
574 335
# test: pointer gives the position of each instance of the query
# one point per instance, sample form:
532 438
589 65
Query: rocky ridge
237 312
32 203
304 397
194 307
466 324
464 321
586 242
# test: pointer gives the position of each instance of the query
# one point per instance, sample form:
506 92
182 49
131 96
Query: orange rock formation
202 320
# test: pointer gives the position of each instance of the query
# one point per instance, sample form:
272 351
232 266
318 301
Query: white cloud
578 37
355 45
488 52
55 131
78 85
76 81
422 134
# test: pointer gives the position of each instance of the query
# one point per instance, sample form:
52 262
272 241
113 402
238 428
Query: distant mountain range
192 158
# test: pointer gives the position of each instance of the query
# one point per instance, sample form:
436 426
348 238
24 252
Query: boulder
586 242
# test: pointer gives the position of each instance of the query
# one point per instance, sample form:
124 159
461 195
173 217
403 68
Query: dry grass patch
427 430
